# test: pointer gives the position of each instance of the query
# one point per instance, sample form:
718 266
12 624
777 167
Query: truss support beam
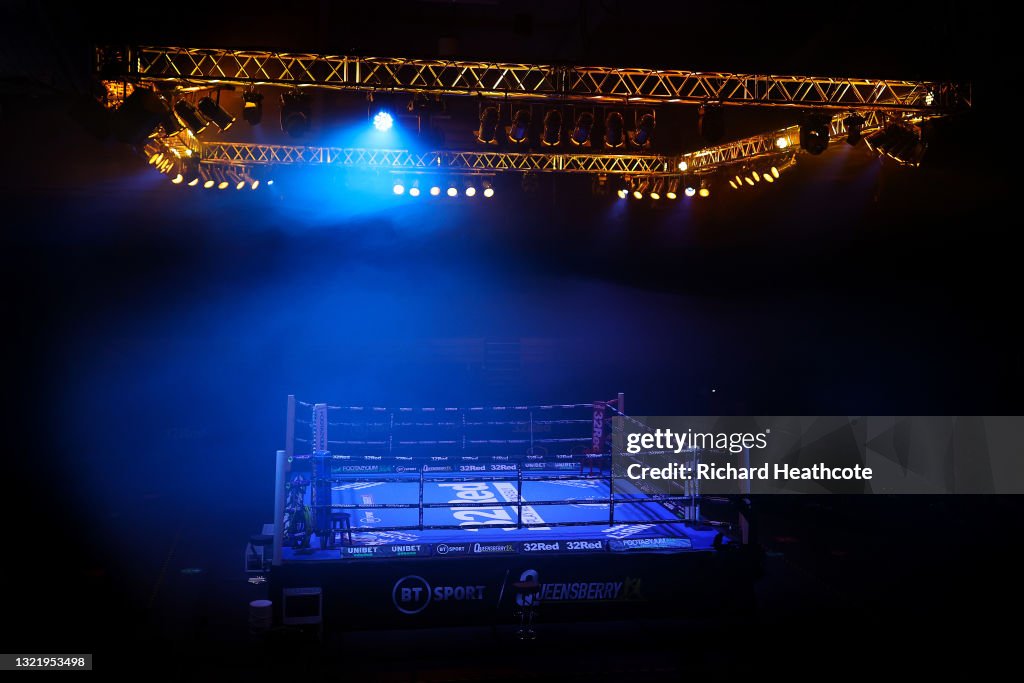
191 67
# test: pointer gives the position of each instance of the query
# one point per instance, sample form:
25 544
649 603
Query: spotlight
739 181
190 116
382 121
414 191
672 187
733 185
683 166
252 107
782 142
704 192
139 116
399 188
295 113
901 144
689 191
613 130
623 193
488 190
711 122
453 191
768 177
670 195
216 113
552 134
637 194
581 131
748 181
854 124
814 133
470 191
644 131
756 176
193 182
487 133
434 191
208 181
171 124
519 131
655 195
775 171
239 182
177 180
255 184
223 184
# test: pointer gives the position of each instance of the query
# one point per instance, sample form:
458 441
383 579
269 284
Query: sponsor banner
452 549
437 468
561 546
472 468
550 465
501 467
630 544
493 548
386 550
355 469
413 594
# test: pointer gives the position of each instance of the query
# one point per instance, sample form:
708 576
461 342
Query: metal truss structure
434 161
767 144
594 84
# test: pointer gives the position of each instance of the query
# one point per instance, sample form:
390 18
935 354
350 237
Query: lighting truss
766 144
191 67
447 160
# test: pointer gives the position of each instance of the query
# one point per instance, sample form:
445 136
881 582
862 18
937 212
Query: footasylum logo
412 594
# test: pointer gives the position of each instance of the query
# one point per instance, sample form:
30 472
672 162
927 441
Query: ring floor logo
412 594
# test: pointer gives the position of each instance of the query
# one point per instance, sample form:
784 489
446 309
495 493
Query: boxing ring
431 514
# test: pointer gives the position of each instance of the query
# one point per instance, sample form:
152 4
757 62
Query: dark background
152 335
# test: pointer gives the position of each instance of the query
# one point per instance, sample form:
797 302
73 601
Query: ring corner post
289 433
279 477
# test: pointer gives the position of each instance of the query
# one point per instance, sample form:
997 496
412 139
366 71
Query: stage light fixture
190 116
193 182
487 133
644 132
814 133
637 194
689 191
767 177
254 184
581 131
733 185
252 107
414 192
683 165
435 190
748 181
552 134
171 124
854 123
902 144
774 171
383 121
673 185
782 142
623 193
519 131
139 116
216 113
655 195
488 190
453 191
756 176
470 191
398 188
178 179
613 125
704 191
711 122
296 113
